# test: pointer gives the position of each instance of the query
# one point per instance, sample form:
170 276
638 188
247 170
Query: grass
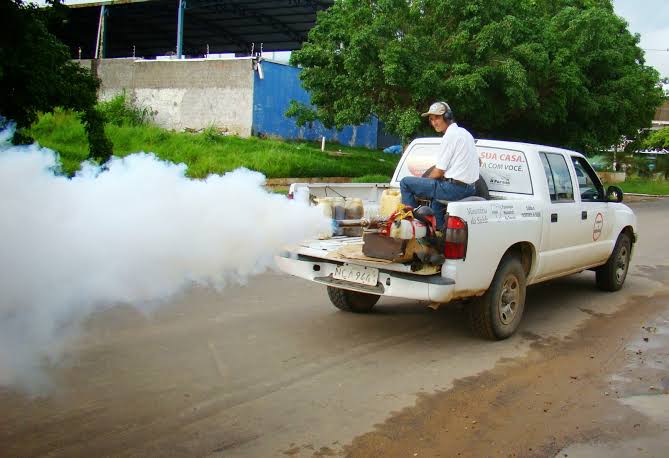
645 186
374 178
210 152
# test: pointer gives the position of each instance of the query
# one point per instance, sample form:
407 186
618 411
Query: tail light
290 195
456 238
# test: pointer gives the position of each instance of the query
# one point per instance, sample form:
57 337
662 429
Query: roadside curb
636 194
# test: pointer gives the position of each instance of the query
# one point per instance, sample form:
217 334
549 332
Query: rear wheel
611 276
497 314
352 301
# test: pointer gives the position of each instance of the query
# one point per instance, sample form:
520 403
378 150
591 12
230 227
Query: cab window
557 173
589 186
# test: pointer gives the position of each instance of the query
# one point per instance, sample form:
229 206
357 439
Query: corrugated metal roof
101 2
147 28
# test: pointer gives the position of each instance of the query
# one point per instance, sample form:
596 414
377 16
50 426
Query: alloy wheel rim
621 264
509 299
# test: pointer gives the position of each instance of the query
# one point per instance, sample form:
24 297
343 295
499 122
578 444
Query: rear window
422 157
505 170
557 173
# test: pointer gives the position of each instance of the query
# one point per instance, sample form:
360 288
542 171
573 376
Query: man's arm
436 173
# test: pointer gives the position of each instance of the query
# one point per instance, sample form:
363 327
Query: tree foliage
658 140
564 72
37 75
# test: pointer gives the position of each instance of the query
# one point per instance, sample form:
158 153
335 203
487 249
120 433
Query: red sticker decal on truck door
597 228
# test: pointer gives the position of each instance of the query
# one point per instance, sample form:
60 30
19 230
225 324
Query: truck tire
611 276
352 301
497 314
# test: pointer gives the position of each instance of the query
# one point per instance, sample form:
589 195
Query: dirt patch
560 394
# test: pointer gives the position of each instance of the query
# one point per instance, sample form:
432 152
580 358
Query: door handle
553 217
584 215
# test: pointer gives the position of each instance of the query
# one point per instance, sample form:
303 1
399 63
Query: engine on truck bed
408 235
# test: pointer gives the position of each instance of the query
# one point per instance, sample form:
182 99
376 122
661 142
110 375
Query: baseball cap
437 108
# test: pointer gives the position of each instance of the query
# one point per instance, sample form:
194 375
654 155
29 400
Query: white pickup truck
547 216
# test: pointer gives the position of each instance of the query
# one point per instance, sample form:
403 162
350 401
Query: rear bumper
433 288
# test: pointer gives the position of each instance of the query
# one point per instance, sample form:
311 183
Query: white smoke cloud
135 232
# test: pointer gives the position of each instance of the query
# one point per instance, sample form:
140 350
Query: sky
648 18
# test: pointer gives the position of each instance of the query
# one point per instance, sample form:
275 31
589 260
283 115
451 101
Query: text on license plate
357 274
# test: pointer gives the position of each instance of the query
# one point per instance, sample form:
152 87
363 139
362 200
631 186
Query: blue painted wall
271 98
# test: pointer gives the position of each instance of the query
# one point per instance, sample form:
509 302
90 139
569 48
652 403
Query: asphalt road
272 369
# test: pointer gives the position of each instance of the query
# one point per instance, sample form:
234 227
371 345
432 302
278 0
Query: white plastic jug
371 211
390 200
325 205
407 229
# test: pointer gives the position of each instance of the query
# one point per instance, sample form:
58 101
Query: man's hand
436 173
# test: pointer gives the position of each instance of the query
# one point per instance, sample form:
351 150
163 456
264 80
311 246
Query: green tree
37 75
564 72
658 139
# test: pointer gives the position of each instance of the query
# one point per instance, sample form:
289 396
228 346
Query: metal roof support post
100 41
180 29
105 33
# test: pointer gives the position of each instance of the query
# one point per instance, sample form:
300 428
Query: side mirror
614 194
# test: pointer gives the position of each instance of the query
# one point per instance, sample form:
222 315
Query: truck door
595 229
562 237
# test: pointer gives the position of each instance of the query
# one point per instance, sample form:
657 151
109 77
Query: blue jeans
428 188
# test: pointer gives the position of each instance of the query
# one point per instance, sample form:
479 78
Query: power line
655 49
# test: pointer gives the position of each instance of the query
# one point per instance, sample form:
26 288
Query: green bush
641 165
658 139
122 111
662 165
99 146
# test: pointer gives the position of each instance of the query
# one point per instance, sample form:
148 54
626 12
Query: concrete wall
185 93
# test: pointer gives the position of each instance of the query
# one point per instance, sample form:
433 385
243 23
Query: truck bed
349 249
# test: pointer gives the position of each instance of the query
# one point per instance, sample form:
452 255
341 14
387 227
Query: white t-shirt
458 157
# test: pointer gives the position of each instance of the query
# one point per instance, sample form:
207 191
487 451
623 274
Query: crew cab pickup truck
547 215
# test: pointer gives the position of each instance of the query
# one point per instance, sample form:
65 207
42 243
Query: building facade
242 96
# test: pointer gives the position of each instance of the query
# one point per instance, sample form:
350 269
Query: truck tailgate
318 261
349 250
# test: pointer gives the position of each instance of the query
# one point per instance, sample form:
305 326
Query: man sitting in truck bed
456 170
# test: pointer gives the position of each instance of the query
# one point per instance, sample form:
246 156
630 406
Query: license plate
357 274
